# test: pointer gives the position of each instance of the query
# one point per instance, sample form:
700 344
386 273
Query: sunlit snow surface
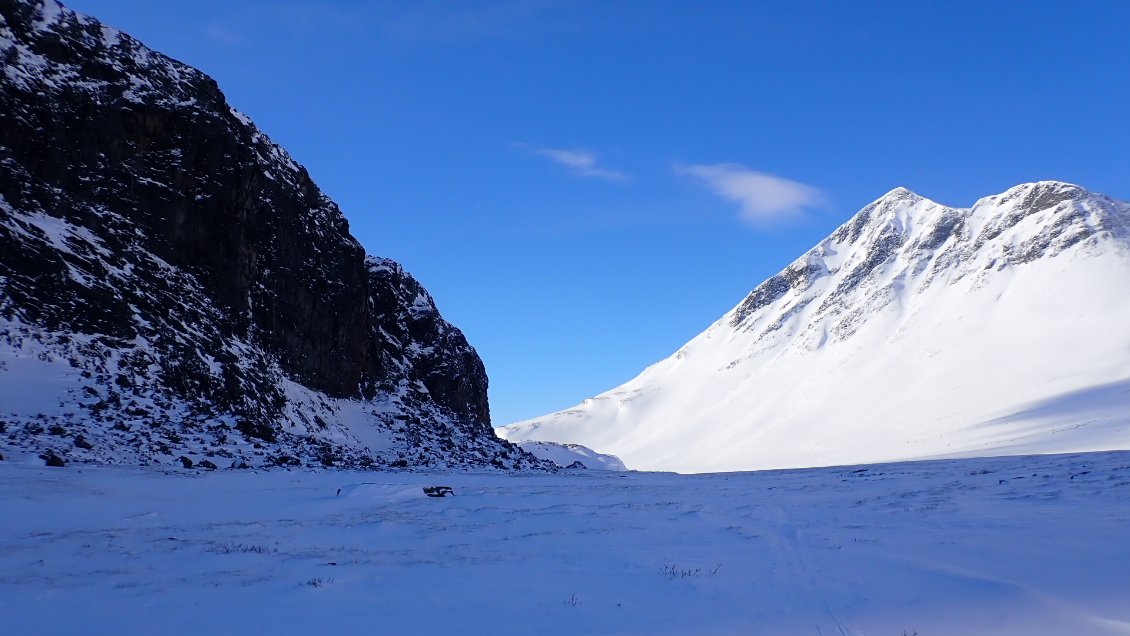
1018 545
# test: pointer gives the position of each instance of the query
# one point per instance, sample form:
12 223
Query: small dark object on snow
81 442
207 464
338 492
577 464
54 460
438 491
186 462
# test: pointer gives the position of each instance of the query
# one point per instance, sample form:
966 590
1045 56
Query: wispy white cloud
583 163
763 198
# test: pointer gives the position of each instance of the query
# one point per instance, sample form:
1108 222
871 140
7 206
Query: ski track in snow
1019 545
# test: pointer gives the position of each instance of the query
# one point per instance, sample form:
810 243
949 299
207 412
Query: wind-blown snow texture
173 284
915 330
1024 546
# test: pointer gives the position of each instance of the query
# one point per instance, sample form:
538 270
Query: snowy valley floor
1030 545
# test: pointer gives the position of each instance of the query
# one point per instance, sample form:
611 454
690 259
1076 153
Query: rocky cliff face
172 282
418 345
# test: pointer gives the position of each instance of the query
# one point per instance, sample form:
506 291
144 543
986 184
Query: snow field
1021 545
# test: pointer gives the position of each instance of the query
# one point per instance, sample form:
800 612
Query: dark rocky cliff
189 286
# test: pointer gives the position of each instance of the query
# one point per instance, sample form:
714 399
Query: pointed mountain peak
899 194
897 212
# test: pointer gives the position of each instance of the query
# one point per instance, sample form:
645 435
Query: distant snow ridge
572 456
915 330
173 284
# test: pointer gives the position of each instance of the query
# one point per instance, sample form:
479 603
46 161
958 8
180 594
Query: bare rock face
185 287
420 346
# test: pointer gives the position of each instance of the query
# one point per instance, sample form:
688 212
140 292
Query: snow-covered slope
572 455
915 330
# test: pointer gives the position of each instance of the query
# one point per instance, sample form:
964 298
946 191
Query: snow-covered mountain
915 330
173 284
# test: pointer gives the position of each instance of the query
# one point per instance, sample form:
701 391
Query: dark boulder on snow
51 459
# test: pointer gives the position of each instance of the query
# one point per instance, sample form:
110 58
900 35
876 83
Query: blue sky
584 186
